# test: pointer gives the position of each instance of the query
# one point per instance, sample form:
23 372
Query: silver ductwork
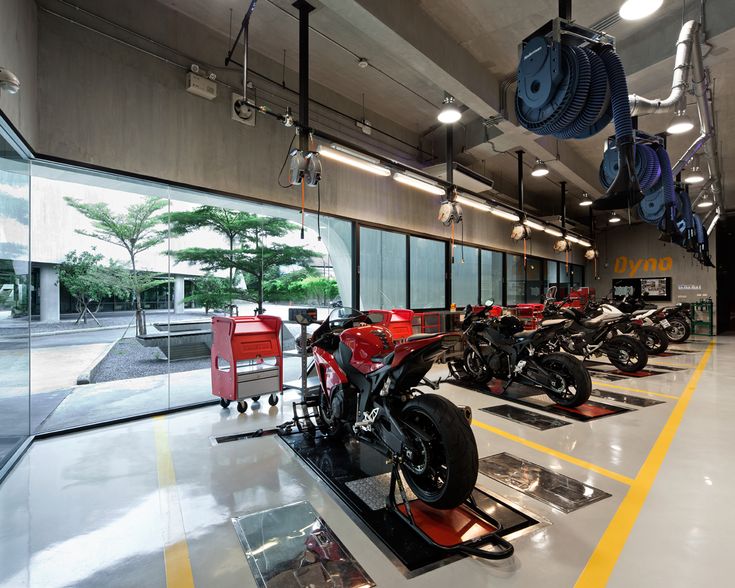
689 73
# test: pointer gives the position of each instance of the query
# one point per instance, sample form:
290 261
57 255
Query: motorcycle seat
524 334
419 336
551 322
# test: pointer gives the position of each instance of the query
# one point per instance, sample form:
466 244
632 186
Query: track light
414 182
706 201
694 176
553 232
534 224
614 218
505 214
638 9
354 159
9 81
586 200
585 243
539 169
473 202
449 113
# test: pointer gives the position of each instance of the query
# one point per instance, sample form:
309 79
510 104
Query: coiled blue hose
647 167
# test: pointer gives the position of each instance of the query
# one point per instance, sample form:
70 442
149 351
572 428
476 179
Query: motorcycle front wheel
654 338
442 468
572 384
475 367
679 331
626 353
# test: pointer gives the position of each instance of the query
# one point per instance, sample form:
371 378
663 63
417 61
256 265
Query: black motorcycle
596 336
500 348
674 319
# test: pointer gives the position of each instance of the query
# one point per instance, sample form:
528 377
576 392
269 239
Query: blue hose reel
573 91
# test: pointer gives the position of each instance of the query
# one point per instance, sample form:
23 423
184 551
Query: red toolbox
401 323
247 359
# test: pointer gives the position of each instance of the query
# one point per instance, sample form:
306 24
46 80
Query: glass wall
491 279
15 423
535 282
465 276
428 273
515 279
382 269
128 275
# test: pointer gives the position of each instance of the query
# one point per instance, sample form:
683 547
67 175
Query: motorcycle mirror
489 302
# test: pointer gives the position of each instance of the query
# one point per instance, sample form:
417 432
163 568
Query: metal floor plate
374 490
292 547
525 417
625 398
560 491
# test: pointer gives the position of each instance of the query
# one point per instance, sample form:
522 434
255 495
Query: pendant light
586 200
638 9
449 113
539 169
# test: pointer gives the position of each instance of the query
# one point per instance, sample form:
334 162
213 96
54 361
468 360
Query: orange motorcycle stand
465 529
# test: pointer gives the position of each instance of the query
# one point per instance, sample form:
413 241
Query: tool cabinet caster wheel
242 406
256 398
224 403
273 399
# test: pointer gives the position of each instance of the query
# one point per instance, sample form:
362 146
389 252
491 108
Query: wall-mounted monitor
653 289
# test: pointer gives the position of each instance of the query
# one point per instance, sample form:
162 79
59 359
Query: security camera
9 81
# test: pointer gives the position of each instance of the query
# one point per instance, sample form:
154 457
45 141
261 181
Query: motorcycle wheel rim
677 330
433 473
474 365
566 388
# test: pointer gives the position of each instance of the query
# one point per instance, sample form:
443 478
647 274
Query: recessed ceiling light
614 218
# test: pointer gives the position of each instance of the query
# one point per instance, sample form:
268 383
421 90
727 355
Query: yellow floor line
176 549
563 456
600 565
606 385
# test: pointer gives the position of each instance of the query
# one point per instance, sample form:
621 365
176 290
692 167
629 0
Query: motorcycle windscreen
292 546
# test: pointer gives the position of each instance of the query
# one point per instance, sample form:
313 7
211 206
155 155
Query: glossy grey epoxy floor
97 508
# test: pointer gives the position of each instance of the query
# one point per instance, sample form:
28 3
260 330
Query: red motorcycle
368 391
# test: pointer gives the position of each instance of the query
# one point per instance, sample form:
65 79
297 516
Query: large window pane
100 267
465 276
382 269
14 301
516 279
491 282
535 285
427 274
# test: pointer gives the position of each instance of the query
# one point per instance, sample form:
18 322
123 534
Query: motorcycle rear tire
679 331
636 356
578 384
453 451
654 338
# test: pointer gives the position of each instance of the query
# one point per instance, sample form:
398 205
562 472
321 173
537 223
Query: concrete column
178 294
49 294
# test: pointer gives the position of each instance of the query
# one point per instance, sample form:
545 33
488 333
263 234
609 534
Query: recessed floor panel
557 490
291 546
625 398
525 417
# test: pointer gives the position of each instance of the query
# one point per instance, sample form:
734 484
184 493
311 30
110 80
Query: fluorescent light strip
505 214
534 224
572 239
473 202
419 184
552 231
353 161
584 243
713 223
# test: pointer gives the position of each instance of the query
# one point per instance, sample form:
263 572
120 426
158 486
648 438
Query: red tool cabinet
401 323
247 359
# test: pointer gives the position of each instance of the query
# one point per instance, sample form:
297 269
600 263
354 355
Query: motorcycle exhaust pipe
466 412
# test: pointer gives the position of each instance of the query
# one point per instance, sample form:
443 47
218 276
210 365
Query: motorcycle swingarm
501 549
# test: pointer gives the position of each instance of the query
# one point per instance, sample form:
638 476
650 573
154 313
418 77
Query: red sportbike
368 390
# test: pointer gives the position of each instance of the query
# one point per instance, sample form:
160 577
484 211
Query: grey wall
18 53
107 104
640 243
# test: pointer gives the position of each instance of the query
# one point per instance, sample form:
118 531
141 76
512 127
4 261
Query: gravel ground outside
116 320
129 359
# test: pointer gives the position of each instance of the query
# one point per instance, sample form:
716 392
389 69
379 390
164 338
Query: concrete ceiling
416 50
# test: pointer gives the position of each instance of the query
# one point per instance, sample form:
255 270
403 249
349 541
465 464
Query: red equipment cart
247 360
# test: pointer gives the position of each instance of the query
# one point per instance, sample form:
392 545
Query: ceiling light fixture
586 200
534 224
9 81
553 232
573 239
539 169
420 184
449 113
694 176
614 218
638 9
706 200
681 123
511 216
585 243
354 159
473 202
714 222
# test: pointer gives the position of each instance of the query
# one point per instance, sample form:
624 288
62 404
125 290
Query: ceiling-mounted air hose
702 254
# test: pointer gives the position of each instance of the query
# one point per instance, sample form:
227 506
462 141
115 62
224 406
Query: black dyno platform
535 398
525 417
359 475
625 398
